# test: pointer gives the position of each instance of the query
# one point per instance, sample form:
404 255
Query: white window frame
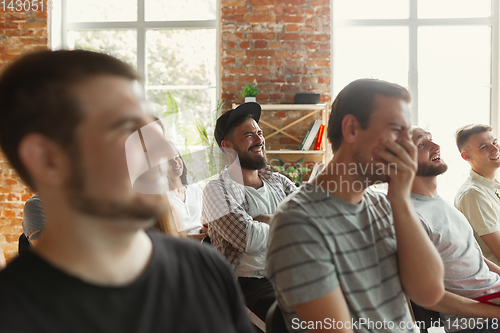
413 23
59 27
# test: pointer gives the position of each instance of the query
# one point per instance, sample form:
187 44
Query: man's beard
429 170
249 162
106 208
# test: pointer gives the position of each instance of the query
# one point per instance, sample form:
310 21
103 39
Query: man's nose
405 135
260 139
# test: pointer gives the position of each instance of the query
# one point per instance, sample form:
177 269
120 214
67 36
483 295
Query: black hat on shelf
225 121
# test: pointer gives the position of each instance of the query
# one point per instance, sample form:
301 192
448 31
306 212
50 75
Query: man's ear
227 144
46 162
466 156
350 128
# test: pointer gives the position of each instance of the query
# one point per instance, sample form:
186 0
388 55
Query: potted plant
294 173
250 93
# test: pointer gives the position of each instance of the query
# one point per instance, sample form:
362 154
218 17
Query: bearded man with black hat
239 204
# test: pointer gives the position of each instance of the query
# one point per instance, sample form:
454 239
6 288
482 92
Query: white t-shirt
188 211
253 261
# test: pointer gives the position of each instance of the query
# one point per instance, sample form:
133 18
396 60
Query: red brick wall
281 45
20 32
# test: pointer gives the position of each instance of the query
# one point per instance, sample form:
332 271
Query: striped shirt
225 208
318 242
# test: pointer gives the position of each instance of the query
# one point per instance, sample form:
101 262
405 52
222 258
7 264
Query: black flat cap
225 121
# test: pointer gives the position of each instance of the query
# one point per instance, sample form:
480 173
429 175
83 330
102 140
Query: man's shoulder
470 190
181 251
304 199
17 267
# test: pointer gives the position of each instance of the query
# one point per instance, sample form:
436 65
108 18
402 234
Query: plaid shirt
225 207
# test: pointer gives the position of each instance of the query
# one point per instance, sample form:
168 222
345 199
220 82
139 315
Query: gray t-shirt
33 218
319 242
465 272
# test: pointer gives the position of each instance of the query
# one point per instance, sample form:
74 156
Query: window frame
413 23
59 27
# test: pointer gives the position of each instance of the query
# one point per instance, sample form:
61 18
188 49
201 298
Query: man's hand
466 307
493 242
264 218
421 269
401 159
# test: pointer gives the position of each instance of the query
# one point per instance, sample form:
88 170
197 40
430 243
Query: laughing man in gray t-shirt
343 257
467 274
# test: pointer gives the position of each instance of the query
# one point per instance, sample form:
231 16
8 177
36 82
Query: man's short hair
36 96
464 133
357 99
229 134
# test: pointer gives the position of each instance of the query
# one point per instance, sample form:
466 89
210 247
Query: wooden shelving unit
325 151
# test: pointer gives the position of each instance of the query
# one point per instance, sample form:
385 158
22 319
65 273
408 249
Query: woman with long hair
185 199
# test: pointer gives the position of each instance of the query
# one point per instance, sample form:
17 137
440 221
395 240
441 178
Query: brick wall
20 32
282 46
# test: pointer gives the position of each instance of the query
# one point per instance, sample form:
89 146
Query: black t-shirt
187 287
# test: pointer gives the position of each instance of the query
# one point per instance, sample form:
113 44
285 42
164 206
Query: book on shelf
320 137
305 136
311 135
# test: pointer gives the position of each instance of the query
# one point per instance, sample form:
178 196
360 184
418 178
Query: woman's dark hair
184 171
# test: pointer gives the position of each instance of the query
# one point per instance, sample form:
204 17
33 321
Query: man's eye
420 145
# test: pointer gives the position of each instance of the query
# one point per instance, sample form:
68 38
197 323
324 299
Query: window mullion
141 41
495 68
413 60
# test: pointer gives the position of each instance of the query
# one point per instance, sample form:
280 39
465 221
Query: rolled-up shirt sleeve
480 212
257 235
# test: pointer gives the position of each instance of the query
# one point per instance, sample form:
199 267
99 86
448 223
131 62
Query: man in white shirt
239 204
478 198
467 274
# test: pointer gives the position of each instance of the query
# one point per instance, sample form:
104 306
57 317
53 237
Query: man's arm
33 219
264 218
332 306
466 307
493 242
492 266
482 217
420 266
222 209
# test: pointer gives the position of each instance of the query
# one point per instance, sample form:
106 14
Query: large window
445 52
172 44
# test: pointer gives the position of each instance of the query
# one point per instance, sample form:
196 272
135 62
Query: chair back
24 244
206 240
275 323
426 318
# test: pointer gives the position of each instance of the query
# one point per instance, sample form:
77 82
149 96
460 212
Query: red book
320 137
492 299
